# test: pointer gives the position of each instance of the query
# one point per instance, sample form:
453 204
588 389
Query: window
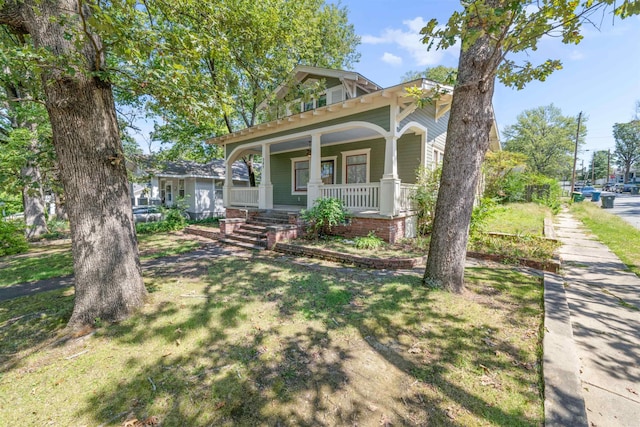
322 101
307 106
327 171
181 188
300 175
355 166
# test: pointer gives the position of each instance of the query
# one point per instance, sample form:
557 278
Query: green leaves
518 26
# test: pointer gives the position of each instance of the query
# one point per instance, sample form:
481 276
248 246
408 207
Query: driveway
627 207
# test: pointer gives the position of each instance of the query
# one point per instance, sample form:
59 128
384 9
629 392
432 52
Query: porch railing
356 197
406 201
243 196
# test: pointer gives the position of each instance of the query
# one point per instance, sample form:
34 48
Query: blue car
588 191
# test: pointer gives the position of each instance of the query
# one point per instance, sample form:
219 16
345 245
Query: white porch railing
406 197
243 196
356 197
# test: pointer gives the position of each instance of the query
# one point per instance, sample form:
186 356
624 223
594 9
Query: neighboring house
198 185
352 140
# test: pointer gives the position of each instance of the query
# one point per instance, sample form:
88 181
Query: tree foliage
547 138
439 74
491 34
627 151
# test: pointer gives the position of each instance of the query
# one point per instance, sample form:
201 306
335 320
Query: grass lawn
55 260
263 340
519 218
621 237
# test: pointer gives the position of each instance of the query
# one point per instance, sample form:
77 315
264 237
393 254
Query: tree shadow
280 343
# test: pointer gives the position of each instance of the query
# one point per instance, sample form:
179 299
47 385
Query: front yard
267 340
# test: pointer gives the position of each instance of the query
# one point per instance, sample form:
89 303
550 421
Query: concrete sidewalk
604 316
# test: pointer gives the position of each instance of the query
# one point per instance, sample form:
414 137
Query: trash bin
577 196
607 201
595 196
634 189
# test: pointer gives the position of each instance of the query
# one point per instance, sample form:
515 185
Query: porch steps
253 234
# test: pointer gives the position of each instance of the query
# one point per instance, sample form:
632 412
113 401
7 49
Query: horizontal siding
409 152
436 130
281 168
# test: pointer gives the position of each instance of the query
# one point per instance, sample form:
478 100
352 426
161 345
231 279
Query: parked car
624 188
146 214
587 191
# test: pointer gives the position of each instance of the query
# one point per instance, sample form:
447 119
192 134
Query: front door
168 195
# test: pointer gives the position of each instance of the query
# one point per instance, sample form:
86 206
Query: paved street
626 207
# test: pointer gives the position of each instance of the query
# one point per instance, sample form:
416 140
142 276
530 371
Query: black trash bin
607 201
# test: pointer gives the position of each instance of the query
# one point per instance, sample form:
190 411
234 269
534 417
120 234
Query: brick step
242 244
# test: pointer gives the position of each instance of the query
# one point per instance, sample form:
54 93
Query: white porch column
315 179
265 190
228 180
390 183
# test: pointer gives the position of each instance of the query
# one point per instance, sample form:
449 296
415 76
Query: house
350 139
198 185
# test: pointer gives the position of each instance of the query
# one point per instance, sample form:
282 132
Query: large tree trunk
33 201
108 279
467 142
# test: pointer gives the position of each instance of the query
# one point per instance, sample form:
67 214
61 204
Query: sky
600 76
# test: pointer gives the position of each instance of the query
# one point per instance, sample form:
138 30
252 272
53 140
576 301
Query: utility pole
575 155
593 169
608 165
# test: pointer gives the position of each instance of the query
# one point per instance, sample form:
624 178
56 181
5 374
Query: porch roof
377 99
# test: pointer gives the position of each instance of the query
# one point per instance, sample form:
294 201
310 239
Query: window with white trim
181 188
300 175
356 166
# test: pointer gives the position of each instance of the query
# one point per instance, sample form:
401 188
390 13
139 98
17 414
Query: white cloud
576 55
391 59
408 39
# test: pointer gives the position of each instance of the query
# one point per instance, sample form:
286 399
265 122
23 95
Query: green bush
173 220
481 213
325 214
371 241
12 238
425 197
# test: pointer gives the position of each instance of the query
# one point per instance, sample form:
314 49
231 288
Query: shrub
425 197
12 238
325 214
371 241
481 214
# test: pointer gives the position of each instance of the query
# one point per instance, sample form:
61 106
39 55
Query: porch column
390 183
228 183
265 190
315 179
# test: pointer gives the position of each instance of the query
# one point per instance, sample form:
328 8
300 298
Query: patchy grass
514 247
519 218
621 237
408 248
54 259
260 340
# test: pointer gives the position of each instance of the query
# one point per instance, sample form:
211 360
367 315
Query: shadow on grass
266 341
283 344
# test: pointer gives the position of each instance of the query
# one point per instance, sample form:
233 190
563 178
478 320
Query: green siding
379 116
281 179
409 150
281 168
330 82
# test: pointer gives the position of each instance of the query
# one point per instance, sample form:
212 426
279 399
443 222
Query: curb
563 401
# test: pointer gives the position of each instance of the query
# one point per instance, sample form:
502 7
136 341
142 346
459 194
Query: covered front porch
356 163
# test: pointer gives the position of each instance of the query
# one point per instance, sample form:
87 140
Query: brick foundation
389 229
281 233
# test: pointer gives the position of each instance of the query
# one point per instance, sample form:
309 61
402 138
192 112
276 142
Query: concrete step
241 244
268 220
255 240
259 234
258 228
